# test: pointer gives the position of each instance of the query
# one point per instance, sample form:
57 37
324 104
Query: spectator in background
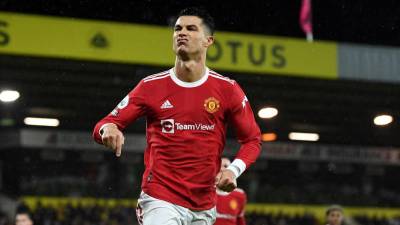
230 206
23 218
334 215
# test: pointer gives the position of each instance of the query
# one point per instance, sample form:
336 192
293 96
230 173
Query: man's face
225 163
23 219
191 37
335 217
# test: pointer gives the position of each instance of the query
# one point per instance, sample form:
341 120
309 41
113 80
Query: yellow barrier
288 209
69 38
56 202
278 55
319 210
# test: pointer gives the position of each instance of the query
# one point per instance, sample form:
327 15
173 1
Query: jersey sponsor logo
169 126
167 105
211 105
195 126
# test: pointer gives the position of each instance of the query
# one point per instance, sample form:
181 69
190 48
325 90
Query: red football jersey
231 207
186 133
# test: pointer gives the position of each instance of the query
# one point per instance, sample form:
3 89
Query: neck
190 70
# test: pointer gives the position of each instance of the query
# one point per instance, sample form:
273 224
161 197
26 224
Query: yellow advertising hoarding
259 208
80 39
278 55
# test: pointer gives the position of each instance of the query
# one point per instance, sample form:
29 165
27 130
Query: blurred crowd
99 180
363 220
280 219
124 215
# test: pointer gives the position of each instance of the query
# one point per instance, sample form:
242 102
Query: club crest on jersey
233 204
211 105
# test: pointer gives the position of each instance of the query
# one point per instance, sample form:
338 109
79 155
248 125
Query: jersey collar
189 84
221 192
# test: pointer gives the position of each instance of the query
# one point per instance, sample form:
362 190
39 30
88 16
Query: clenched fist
226 180
113 138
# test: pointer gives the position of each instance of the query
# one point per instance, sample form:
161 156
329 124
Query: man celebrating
230 206
187 109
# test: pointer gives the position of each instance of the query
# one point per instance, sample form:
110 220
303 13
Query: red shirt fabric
186 133
231 207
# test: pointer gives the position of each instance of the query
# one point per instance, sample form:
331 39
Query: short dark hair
334 208
23 209
202 13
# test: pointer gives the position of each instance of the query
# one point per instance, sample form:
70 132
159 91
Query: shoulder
156 77
150 83
239 192
220 78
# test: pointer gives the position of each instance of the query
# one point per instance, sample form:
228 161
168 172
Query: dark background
360 21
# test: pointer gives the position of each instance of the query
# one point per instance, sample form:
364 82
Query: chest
229 204
198 104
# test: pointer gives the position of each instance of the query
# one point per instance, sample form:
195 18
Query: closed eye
188 27
177 28
192 27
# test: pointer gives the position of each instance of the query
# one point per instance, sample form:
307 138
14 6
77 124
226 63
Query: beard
183 53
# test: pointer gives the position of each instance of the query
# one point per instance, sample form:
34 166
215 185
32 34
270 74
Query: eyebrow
190 25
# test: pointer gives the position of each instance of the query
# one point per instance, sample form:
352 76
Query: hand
226 180
113 138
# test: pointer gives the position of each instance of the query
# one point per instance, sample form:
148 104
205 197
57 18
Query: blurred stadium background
74 61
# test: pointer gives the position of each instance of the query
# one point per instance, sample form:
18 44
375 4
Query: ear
209 41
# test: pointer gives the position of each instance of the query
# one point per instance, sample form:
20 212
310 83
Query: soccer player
23 218
187 111
334 215
230 206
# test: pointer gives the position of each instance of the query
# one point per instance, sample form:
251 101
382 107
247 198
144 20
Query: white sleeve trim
101 128
237 167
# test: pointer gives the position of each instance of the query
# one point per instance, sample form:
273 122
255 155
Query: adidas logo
167 105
